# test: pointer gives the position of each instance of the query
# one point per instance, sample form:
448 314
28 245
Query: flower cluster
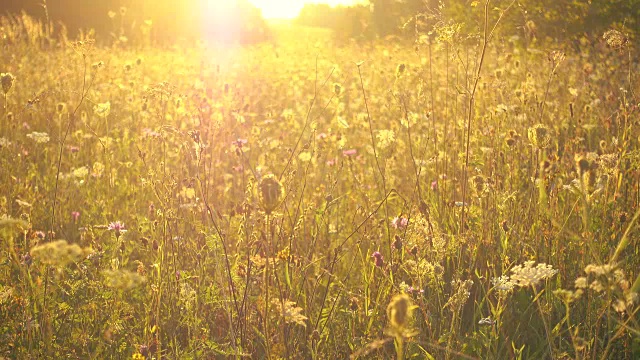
530 275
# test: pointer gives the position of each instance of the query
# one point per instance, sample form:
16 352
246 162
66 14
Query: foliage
465 197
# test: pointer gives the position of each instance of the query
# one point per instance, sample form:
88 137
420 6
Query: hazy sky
288 9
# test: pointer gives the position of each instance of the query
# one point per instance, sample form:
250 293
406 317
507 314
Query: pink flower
434 185
239 143
349 152
399 222
75 215
378 259
118 227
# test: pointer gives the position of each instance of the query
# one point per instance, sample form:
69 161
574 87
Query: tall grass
467 197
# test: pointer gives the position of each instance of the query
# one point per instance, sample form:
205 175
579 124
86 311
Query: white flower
528 275
39 137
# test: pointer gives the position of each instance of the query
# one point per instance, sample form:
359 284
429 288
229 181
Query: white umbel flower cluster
530 274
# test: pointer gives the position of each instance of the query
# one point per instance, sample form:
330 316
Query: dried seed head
399 311
540 136
582 164
7 80
271 193
337 89
61 108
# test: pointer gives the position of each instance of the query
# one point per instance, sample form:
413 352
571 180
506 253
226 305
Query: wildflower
399 311
502 283
305 156
581 283
239 143
103 109
349 152
122 279
39 137
397 243
26 259
98 169
399 222
528 275
434 185
271 193
118 227
486 321
386 138
568 296
616 39
80 172
599 270
378 258
75 215
460 295
412 290
59 253
7 80
290 312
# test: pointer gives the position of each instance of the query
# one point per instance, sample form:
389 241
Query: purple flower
118 227
378 259
27 259
399 222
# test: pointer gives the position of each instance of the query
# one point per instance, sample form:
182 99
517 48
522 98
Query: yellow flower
103 109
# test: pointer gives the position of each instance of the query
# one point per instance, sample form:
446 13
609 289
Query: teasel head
270 193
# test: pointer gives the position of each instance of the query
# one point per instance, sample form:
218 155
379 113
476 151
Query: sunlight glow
289 9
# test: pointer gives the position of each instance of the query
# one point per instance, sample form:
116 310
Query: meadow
465 196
